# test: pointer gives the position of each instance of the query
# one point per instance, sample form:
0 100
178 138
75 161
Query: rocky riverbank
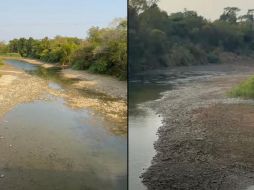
18 87
108 85
206 138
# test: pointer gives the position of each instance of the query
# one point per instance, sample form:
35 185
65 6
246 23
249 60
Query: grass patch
244 90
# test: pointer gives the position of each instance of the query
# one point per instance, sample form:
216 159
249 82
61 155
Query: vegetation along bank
104 50
159 39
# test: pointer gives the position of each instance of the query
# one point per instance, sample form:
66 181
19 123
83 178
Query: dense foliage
157 39
104 51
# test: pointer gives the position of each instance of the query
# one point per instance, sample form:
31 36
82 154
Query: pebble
2 176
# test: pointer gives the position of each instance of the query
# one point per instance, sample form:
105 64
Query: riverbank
18 87
54 136
100 83
108 85
205 141
32 61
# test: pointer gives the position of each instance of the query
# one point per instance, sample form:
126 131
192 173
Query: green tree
230 14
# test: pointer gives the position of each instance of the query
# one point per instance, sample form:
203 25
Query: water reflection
22 65
143 92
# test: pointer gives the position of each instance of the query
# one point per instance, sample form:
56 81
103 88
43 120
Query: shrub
212 58
245 89
100 66
181 55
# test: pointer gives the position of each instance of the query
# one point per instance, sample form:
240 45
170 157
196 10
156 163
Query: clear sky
40 18
211 9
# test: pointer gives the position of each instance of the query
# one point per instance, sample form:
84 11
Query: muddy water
48 145
143 125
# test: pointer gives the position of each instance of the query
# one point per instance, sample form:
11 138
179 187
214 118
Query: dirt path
207 139
18 87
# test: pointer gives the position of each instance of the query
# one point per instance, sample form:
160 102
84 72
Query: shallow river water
47 145
143 125
143 120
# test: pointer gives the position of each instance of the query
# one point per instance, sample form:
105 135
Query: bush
104 50
181 56
245 89
198 54
100 66
212 58
80 65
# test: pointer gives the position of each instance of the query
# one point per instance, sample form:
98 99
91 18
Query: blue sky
40 18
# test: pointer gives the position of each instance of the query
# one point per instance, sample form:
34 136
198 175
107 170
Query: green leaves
244 90
157 39
104 50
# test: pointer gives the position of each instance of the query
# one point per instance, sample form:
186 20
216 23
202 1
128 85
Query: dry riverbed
18 87
100 83
207 139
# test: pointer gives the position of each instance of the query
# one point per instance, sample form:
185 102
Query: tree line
158 39
103 51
